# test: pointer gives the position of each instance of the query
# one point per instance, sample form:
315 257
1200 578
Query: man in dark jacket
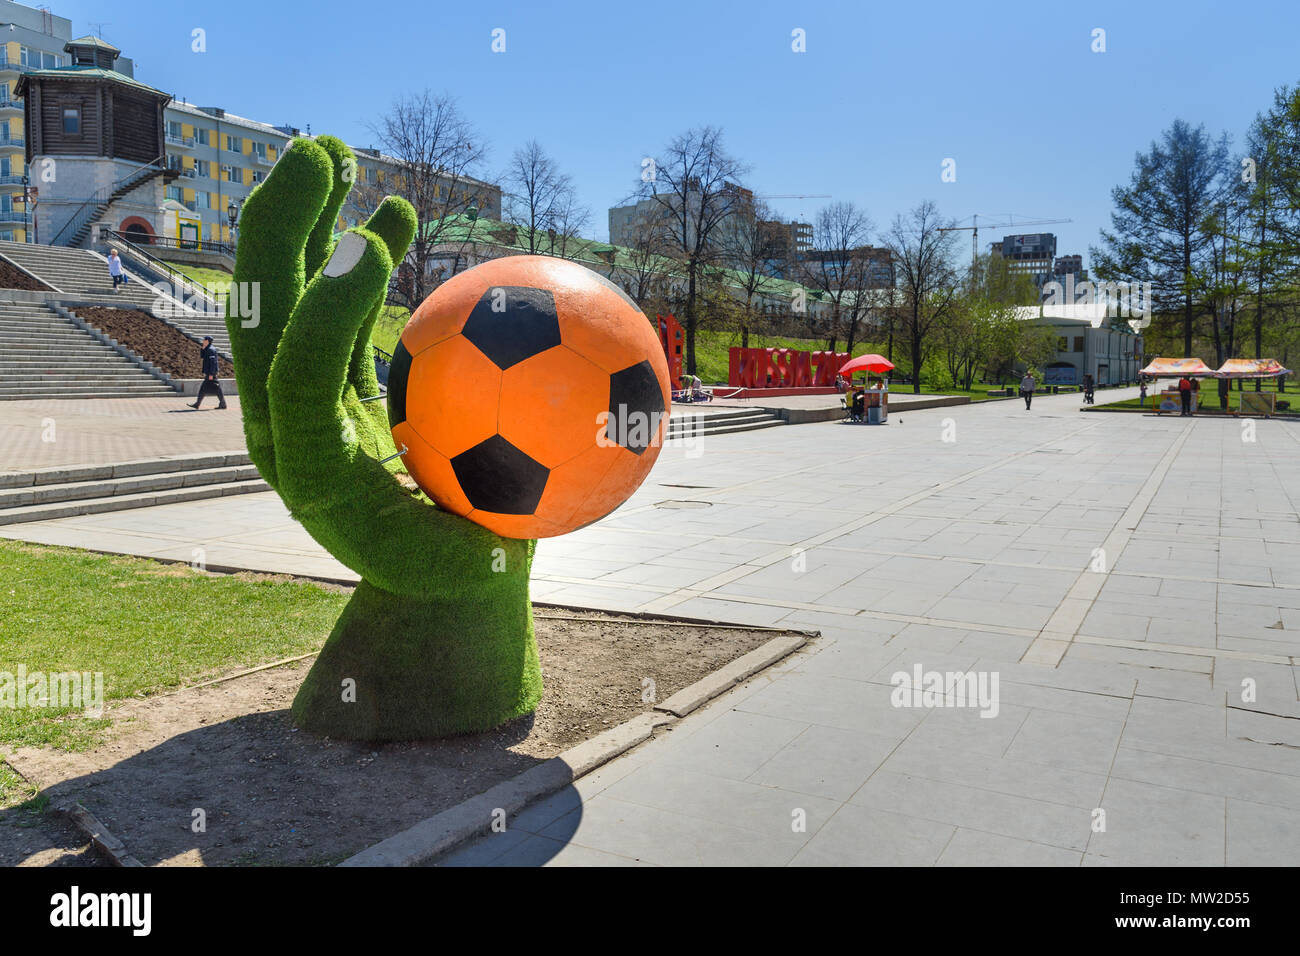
211 369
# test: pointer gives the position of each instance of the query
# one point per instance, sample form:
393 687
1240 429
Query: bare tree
571 218
927 281
836 268
753 246
541 201
695 184
435 147
644 272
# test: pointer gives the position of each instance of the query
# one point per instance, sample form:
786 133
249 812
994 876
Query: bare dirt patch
153 340
273 795
11 277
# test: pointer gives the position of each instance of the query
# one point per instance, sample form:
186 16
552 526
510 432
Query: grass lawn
145 626
214 280
388 327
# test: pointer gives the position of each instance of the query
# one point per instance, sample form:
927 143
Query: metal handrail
102 197
167 242
179 279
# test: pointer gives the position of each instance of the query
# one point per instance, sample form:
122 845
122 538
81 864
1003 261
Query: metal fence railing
184 289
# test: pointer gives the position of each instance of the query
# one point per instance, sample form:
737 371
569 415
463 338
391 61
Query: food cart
1254 403
875 401
1169 400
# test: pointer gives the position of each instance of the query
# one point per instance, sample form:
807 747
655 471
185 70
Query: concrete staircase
208 316
722 421
82 276
78 228
93 489
43 355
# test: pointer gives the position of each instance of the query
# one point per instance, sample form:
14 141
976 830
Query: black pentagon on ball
636 407
512 323
399 372
496 476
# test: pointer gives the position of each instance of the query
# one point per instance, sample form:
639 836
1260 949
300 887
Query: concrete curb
720 681
804 416
1283 416
19 295
444 831
98 834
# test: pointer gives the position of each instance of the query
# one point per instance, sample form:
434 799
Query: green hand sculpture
438 636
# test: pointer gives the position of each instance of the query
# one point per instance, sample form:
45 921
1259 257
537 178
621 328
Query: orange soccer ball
531 395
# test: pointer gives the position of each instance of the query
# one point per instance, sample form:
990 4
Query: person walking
1224 385
1185 395
211 370
115 269
1089 390
1027 389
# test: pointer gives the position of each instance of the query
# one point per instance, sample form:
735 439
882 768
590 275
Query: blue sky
1039 125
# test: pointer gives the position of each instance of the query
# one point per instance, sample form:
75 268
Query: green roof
93 73
460 228
95 42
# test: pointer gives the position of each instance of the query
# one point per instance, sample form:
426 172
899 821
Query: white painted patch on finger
346 256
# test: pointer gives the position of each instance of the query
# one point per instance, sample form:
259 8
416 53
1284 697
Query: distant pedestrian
1027 389
1142 390
1224 385
1089 390
211 370
115 269
1185 395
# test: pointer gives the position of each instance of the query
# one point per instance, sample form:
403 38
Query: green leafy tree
1160 226
1270 181
438 636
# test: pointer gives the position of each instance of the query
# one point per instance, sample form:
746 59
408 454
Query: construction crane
975 231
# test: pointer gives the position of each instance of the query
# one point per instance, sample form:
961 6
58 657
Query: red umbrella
866 363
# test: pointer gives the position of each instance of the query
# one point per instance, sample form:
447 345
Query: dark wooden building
90 109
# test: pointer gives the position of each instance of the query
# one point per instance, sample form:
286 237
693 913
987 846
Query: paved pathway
1133 584
44 433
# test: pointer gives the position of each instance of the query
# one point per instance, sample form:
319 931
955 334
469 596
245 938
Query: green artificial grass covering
438 638
442 667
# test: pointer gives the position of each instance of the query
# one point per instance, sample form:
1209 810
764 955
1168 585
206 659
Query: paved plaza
49 433
1132 583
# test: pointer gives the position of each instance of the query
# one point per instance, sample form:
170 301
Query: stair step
79 396
16 366
120 486
723 430
63 474
87 389
45 512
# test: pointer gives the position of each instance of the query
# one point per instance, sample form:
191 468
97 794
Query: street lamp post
27 209
232 214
